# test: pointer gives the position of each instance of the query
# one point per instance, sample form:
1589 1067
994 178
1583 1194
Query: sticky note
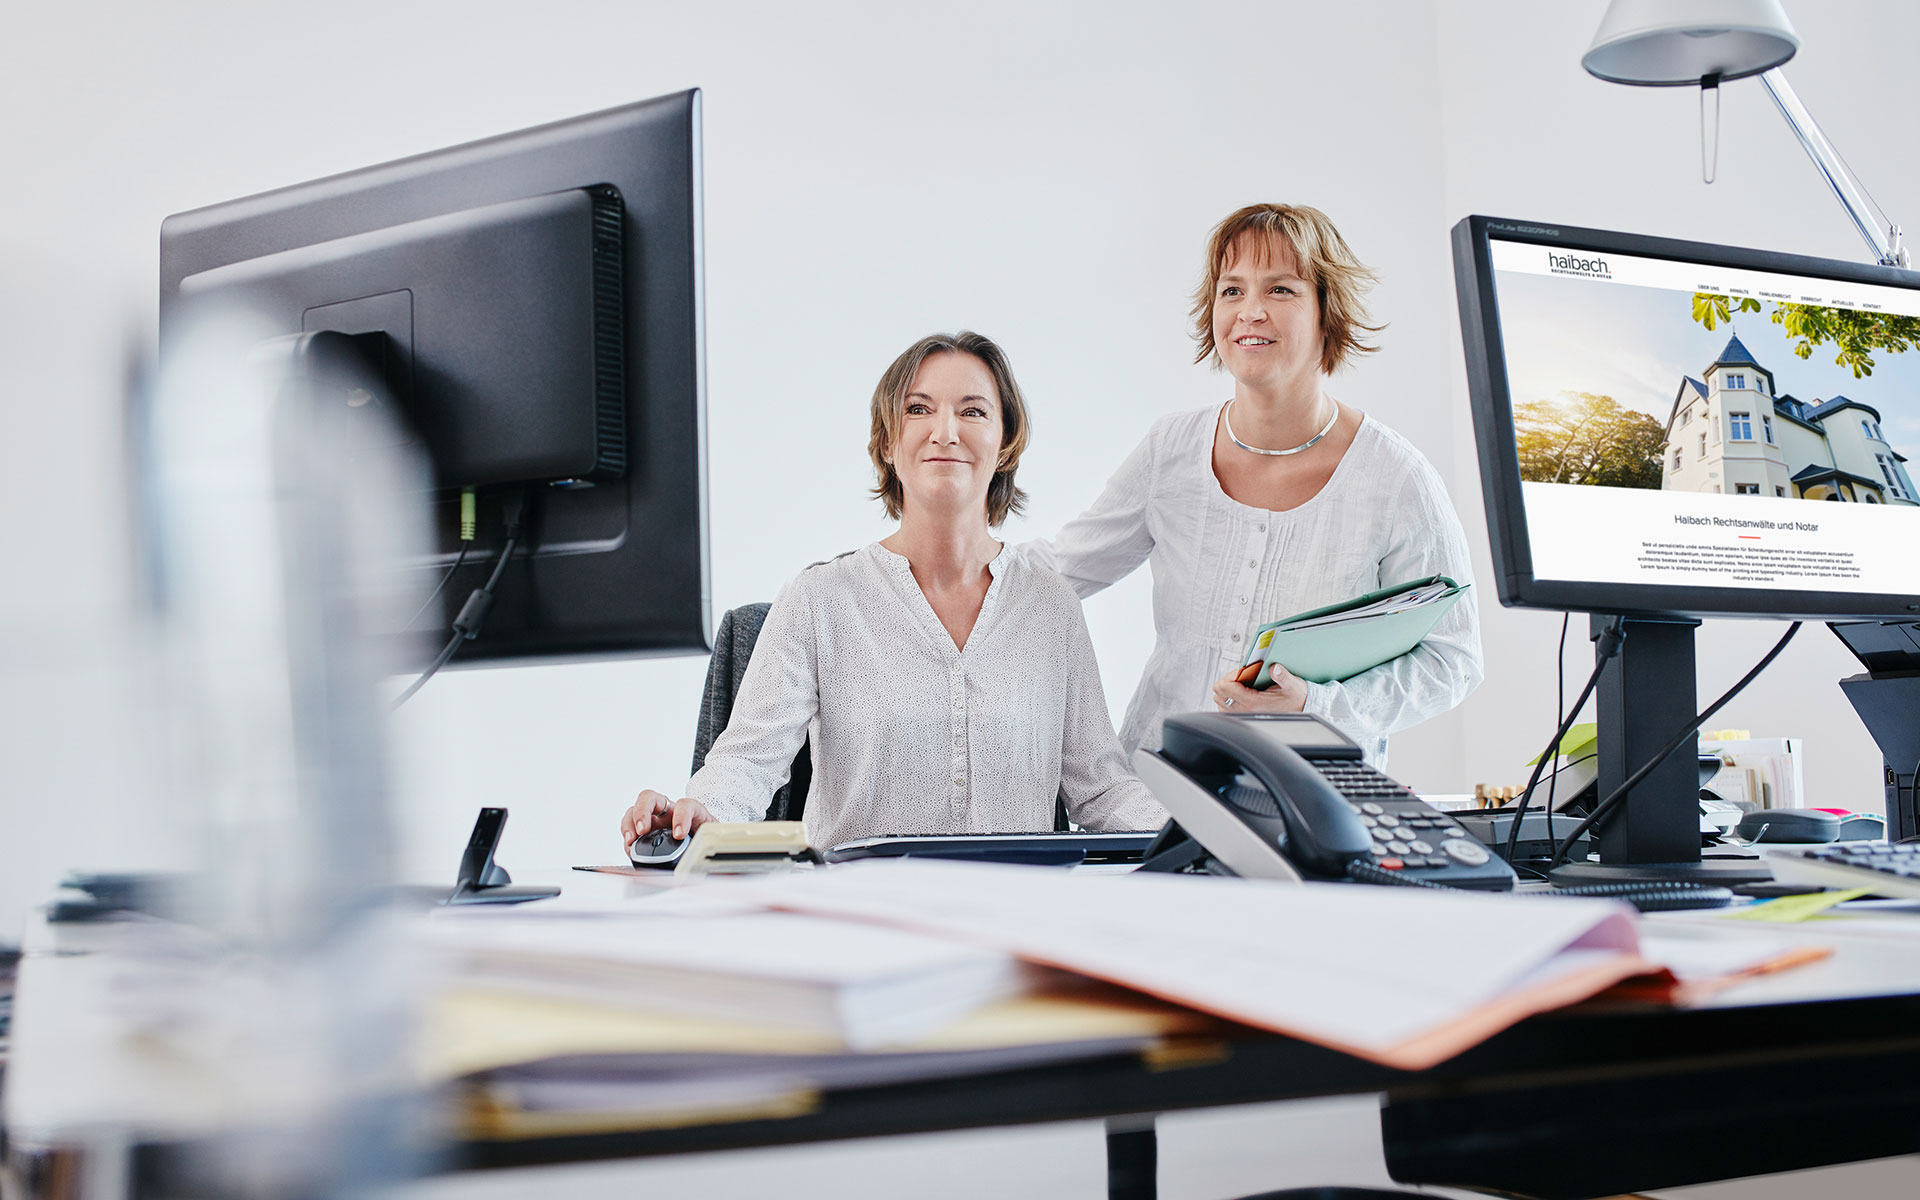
1788 909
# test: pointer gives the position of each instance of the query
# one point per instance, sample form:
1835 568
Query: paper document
635 1091
858 983
469 1030
533 1066
1700 962
1402 601
1402 977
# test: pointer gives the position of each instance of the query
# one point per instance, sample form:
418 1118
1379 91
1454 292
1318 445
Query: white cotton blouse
1221 569
911 734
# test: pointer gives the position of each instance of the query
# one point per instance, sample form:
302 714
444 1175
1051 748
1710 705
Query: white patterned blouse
911 734
1221 569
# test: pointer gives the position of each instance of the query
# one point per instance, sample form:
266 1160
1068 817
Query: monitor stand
1889 706
1646 695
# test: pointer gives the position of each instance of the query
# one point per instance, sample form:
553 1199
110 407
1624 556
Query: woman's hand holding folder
1286 694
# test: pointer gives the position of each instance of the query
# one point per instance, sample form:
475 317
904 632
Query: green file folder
1322 650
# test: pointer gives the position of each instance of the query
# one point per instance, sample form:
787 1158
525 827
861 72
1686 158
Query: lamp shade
1673 43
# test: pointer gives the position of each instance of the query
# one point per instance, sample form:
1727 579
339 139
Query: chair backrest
732 647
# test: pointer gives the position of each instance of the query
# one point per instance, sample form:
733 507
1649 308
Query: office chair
733 645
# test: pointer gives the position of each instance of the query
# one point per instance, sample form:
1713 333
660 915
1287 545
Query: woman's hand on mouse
1287 695
653 810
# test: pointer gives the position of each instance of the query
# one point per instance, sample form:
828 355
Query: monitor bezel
1499 457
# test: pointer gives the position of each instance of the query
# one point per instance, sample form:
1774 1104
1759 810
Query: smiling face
950 433
1266 315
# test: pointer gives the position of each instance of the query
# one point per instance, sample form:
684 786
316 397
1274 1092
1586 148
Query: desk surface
1833 1047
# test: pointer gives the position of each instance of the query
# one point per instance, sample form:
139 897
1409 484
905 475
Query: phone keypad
1406 831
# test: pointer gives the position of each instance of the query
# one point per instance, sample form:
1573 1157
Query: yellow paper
1788 909
476 1029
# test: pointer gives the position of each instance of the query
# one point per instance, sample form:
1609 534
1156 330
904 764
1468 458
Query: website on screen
1673 420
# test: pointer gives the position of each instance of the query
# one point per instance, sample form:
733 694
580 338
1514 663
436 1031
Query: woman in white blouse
1281 500
947 682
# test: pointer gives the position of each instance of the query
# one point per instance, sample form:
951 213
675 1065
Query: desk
1665 1092
1591 1101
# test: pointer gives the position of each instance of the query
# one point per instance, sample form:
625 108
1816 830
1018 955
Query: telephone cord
1647 897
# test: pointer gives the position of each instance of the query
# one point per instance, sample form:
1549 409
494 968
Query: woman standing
1281 500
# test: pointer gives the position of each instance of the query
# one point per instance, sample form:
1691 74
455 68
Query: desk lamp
1704 43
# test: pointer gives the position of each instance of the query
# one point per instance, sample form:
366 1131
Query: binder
1341 640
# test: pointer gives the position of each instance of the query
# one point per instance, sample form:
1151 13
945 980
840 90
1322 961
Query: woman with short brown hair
1280 500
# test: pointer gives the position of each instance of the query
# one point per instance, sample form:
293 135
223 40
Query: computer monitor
531 305
1671 430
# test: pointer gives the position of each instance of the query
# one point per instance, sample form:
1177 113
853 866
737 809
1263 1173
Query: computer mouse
1789 825
657 849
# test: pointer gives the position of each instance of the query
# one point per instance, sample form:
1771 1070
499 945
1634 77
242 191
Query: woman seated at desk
948 683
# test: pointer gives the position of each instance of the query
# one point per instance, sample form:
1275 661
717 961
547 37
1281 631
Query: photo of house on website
1671 419
1732 430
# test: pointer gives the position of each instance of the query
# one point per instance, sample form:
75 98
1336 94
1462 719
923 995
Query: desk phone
1287 796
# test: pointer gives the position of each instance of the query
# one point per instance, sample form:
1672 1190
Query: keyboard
1044 849
1886 869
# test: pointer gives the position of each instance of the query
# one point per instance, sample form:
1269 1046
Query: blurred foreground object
256 1029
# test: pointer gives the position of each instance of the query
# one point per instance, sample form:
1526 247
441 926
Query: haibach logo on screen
1574 264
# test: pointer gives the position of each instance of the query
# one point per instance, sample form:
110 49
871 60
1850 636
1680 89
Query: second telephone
1286 796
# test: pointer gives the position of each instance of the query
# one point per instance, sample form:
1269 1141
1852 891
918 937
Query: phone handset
1287 796
1236 787
1324 833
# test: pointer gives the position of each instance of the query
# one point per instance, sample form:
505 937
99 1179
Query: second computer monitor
1670 430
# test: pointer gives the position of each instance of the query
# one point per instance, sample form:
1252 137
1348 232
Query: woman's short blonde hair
1339 278
890 408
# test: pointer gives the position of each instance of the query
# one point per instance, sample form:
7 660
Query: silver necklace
1226 418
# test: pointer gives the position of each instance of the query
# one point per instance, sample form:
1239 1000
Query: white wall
1042 173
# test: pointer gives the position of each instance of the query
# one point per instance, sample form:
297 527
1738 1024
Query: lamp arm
1887 247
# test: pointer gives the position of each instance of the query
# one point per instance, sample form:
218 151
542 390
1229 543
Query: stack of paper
527 1066
699 1003
1405 599
859 986
748 999
1404 977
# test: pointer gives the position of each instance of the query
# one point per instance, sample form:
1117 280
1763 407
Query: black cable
445 656
1650 896
1562 769
1605 648
473 614
1646 897
1603 809
1559 713
445 579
